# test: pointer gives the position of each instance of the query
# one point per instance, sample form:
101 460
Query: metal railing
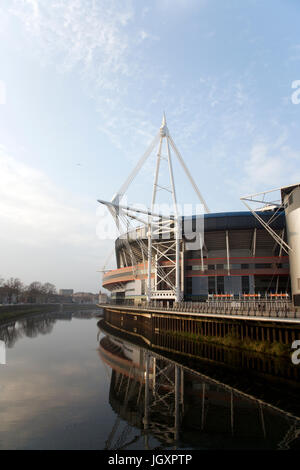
264 308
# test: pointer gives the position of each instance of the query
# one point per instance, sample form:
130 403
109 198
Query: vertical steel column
182 389
154 375
150 220
262 420
227 252
201 253
146 409
182 266
203 406
149 261
177 278
254 243
177 226
177 403
231 410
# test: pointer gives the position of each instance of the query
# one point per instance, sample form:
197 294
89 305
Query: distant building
85 298
66 291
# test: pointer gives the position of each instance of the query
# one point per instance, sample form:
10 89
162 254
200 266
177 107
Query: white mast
165 251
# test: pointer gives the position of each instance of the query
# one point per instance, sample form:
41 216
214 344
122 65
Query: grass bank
263 347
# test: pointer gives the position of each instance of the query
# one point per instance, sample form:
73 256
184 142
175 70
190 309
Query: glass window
245 284
220 284
211 285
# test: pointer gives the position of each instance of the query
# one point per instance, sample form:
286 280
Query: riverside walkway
262 311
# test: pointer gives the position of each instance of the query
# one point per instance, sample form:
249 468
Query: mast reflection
172 405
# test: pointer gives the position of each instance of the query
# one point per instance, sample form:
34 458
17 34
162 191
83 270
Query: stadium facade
239 257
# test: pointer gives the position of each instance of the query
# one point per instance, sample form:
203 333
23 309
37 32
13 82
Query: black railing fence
253 308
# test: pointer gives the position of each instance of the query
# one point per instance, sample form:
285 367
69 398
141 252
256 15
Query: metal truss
262 204
126 388
164 258
164 401
149 397
292 435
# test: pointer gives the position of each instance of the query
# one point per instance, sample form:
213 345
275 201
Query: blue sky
84 85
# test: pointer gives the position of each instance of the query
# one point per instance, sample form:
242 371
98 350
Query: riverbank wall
268 335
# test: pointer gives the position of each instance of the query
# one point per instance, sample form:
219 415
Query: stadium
231 255
239 257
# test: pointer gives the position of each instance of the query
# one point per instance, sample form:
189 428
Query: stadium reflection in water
56 392
171 400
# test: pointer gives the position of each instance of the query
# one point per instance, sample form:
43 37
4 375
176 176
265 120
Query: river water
72 382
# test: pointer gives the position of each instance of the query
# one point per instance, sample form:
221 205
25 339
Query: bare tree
13 288
35 291
49 288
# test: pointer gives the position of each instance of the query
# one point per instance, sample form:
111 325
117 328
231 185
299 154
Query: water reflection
178 405
55 392
53 388
31 326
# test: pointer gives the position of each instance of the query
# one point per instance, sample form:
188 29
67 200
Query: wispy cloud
271 164
54 231
105 42
80 32
34 211
102 41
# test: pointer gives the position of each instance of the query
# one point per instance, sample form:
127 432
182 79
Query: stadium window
211 285
244 266
189 285
220 284
211 267
245 284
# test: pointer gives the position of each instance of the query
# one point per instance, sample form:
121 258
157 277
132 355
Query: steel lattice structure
164 248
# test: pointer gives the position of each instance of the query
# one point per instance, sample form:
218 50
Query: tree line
13 290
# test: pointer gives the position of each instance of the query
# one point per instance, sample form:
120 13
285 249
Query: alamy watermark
296 94
296 354
2 352
114 222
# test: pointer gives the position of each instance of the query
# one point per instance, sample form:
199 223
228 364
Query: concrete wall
292 213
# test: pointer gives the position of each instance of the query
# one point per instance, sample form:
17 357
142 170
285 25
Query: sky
83 87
